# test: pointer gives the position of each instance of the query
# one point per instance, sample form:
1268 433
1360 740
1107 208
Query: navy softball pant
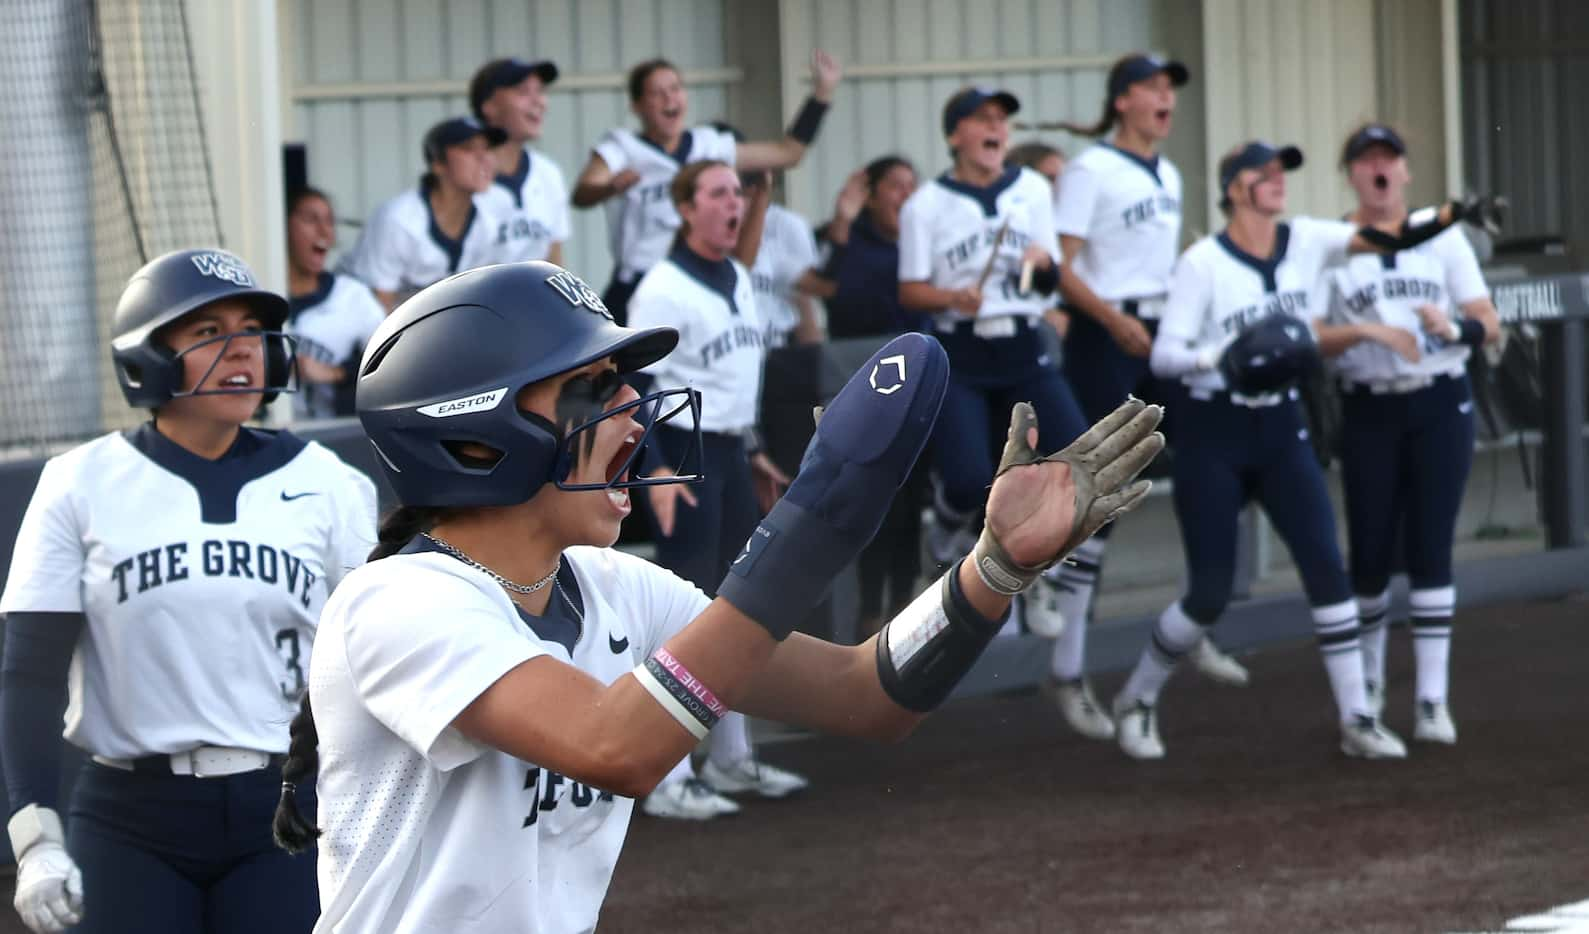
1103 375
708 536
987 376
173 854
1227 454
1405 459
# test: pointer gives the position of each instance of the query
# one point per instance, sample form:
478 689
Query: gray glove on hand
49 893
1024 535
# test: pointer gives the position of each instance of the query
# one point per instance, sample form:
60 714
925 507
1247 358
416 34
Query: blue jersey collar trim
1150 166
254 454
986 196
718 276
1263 267
453 248
514 180
298 304
680 155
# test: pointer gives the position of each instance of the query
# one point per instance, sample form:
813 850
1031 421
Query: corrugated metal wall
1292 71
905 57
367 77
1524 64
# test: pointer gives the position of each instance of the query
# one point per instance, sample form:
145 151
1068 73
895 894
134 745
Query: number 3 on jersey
291 652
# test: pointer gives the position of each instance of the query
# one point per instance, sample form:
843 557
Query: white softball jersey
788 249
1218 289
531 207
949 231
401 249
201 582
1128 210
331 325
721 335
426 830
1442 271
641 221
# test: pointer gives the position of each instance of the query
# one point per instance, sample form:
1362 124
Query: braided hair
293 831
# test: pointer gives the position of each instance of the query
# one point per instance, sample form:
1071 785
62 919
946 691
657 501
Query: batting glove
49 893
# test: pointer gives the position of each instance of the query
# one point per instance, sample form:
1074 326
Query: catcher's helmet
1268 355
447 365
170 286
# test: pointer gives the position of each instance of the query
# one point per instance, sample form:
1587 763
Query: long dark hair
294 833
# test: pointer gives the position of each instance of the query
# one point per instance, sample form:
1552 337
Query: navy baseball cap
1255 155
1134 68
967 100
1374 134
457 130
505 73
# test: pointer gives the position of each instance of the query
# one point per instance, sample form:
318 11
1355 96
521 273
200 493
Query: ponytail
294 833
1104 125
400 526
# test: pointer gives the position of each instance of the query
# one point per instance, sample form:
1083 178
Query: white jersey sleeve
657 308
1178 344
713 144
1331 238
1075 200
417 660
382 252
915 238
612 151
47 560
353 535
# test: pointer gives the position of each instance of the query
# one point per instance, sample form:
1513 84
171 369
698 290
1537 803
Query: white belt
992 328
203 762
1386 387
1261 401
1148 307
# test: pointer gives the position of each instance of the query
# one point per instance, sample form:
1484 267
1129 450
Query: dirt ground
993 817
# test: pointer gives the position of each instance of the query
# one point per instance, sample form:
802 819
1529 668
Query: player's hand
624 181
968 300
1404 342
665 499
1132 335
1041 508
1037 257
1436 323
49 893
311 370
852 197
825 75
769 480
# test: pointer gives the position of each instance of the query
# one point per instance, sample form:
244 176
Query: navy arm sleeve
38 652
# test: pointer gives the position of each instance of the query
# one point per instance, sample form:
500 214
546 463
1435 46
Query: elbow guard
924 651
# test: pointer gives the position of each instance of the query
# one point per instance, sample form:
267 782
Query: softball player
426 234
705 295
860 280
490 695
178 569
529 194
329 316
631 172
1232 445
787 251
963 240
1404 325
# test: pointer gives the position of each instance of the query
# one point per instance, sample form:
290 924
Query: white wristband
31 825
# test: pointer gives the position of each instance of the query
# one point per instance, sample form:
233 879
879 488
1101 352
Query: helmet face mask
446 368
281 365
651 410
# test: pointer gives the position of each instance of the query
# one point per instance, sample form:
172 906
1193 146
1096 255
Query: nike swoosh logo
618 646
287 499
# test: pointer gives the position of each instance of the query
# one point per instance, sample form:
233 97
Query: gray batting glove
49 893
1103 462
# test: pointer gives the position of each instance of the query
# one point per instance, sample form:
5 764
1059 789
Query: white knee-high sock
1336 627
1073 583
1373 610
729 741
1432 610
1173 636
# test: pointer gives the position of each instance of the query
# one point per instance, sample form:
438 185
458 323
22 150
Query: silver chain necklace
453 550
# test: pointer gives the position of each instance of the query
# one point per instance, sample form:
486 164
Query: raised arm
597 182
788 151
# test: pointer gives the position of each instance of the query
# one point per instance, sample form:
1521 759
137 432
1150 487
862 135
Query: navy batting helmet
446 368
170 286
1268 355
